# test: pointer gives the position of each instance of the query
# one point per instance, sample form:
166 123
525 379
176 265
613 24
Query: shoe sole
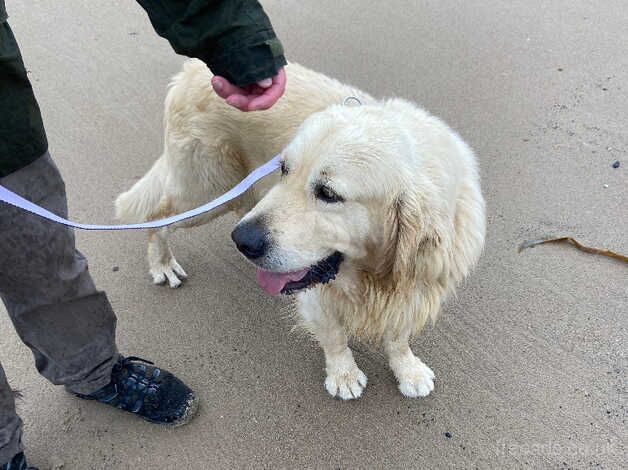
189 415
190 412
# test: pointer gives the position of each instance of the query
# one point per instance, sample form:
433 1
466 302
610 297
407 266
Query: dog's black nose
251 238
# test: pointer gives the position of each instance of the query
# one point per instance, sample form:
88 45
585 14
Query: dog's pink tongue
273 283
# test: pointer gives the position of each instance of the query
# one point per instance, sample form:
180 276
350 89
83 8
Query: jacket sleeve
233 37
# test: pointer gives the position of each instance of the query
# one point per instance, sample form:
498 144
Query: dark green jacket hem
22 134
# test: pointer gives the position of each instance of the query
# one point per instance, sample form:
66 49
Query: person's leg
44 281
10 423
47 289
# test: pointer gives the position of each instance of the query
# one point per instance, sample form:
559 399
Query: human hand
262 95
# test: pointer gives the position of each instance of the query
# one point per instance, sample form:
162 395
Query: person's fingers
260 103
224 88
255 90
259 96
271 94
265 83
239 101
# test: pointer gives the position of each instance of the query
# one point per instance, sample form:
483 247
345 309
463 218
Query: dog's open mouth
288 283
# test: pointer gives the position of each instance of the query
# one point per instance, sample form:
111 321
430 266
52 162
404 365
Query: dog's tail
142 201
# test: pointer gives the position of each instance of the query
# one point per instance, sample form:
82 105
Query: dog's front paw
346 385
172 272
416 380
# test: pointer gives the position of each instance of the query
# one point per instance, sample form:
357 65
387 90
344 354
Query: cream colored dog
375 218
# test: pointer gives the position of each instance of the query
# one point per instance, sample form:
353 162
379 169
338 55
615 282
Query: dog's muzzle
253 240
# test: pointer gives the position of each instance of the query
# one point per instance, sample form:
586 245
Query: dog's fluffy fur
410 225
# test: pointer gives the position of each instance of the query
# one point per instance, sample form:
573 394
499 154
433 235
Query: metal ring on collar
348 100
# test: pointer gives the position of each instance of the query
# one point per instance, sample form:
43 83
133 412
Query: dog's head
348 199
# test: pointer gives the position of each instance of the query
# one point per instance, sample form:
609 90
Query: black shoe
17 463
154 394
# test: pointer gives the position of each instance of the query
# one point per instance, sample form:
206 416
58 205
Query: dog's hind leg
414 377
344 379
194 175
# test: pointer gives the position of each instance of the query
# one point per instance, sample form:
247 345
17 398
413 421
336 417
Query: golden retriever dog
375 218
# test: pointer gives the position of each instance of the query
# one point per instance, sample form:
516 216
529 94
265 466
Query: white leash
13 199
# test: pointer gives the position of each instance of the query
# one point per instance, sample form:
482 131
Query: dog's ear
416 250
406 237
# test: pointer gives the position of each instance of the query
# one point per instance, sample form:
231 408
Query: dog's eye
284 168
326 194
